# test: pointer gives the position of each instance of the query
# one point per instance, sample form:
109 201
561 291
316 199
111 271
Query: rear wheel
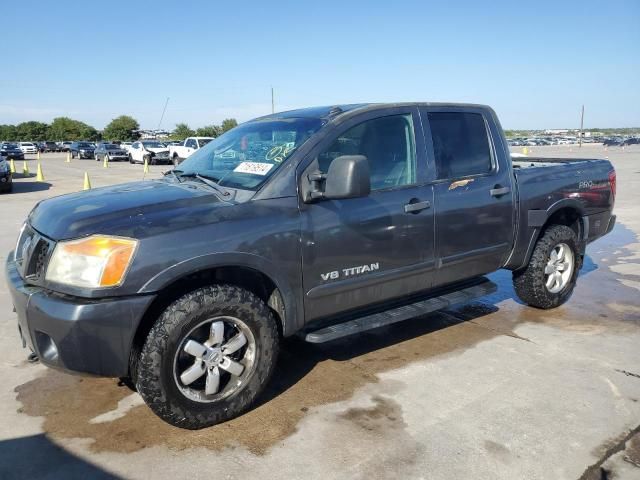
550 277
208 357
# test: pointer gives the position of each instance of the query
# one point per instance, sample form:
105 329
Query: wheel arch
246 271
568 212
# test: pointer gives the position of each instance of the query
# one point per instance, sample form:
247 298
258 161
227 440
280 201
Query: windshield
84 145
109 146
152 144
247 155
204 141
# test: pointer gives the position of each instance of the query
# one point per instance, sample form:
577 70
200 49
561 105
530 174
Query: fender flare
218 260
538 218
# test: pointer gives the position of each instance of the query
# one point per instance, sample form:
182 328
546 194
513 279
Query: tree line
124 128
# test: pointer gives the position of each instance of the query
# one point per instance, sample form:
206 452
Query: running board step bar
399 314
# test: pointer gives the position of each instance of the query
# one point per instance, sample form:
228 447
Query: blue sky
535 62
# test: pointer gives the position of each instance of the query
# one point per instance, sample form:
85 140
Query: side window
136 145
460 144
191 143
388 144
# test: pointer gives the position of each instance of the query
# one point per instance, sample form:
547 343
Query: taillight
612 183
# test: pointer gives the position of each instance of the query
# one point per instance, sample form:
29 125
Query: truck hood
137 210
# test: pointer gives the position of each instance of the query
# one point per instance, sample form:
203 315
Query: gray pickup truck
320 222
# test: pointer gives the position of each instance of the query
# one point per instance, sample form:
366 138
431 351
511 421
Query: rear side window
460 143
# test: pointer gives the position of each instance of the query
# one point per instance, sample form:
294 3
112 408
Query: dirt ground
493 389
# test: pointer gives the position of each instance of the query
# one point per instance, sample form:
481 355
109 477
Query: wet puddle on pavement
309 376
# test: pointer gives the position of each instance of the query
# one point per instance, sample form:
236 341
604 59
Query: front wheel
208 357
550 277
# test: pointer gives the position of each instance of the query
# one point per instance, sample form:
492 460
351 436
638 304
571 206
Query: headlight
93 262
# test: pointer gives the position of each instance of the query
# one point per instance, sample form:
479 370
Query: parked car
151 150
65 146
316 222
49 147
11 151
111 152
630 141
126 145
6 177
28 147
82 149
179 152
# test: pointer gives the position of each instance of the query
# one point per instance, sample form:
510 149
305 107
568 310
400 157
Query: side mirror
348 177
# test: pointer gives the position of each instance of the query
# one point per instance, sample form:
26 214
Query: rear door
474 199
136 151
190 147
362 251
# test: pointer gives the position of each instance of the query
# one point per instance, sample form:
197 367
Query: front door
473 194
363 251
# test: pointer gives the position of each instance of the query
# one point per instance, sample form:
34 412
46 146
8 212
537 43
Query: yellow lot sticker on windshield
256 168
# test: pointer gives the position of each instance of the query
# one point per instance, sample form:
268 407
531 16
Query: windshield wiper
207 180
172 173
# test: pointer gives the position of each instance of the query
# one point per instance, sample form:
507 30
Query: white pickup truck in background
178 153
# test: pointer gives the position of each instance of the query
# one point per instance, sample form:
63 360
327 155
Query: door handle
498 191
415 207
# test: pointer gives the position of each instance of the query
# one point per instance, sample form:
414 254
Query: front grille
31 255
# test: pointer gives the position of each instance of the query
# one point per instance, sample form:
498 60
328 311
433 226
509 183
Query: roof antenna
163 110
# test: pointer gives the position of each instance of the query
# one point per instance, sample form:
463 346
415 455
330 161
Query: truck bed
547 183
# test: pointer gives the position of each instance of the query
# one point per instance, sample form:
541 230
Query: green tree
209 131
8 133
32 131
122 128
64 128
228 124
182 131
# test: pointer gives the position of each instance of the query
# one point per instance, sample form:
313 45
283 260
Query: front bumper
118 156
85 154
79 335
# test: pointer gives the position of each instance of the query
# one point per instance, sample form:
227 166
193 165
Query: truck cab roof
333 111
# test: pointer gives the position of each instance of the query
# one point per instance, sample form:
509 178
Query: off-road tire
529 282
155 377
